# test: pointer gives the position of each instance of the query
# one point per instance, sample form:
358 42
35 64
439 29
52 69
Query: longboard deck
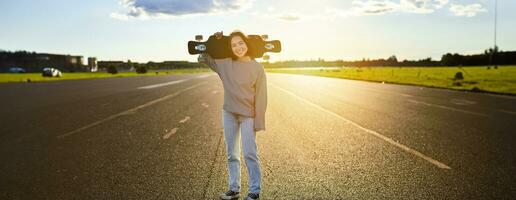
220 48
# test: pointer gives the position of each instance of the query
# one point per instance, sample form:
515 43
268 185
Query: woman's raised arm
206 59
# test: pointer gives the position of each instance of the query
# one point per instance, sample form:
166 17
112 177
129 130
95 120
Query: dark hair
246 41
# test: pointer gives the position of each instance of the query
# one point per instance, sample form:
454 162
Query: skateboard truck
200 47
198 38
267 46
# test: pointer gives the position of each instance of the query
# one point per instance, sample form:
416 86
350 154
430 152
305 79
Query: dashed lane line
447 108
132 110
171 82
168 134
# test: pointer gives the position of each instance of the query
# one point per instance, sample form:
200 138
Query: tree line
489 57
166 65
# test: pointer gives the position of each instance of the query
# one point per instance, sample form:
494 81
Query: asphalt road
326 138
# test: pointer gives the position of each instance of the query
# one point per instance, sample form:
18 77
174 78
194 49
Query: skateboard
220 48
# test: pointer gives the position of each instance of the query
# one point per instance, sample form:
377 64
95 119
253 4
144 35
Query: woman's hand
218 35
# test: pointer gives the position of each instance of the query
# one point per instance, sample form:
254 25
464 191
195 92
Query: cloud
467 10
381 7
372 7
289 17
375 7
422 6
283 16
144 9
174 8
271 13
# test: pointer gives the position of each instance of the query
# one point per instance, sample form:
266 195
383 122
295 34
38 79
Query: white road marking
171 82
172 132
205 105
372 132
447 108
502 96
205 75
507 111
162 84
462 102
185 119
128 111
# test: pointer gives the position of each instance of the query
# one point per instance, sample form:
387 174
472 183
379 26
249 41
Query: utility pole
495 49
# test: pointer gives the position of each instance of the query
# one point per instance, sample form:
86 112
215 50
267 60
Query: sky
158 30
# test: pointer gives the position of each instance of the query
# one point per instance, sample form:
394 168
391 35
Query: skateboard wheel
269 46
200 47
198 37
266 57
265 37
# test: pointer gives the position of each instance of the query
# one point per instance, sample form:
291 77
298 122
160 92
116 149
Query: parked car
51 72
16 70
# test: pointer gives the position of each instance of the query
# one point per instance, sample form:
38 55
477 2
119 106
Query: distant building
92 64
35 62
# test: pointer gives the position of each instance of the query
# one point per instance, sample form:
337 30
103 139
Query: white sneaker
252 196
230 195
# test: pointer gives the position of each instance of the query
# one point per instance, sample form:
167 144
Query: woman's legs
232 122
250 153
232 140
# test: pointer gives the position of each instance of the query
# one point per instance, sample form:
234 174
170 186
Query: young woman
245 101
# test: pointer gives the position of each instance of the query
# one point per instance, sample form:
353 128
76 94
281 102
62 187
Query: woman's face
238 46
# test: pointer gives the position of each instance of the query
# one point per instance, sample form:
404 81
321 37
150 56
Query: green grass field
24 77
501 80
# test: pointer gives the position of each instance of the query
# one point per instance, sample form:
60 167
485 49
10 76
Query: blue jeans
232 122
